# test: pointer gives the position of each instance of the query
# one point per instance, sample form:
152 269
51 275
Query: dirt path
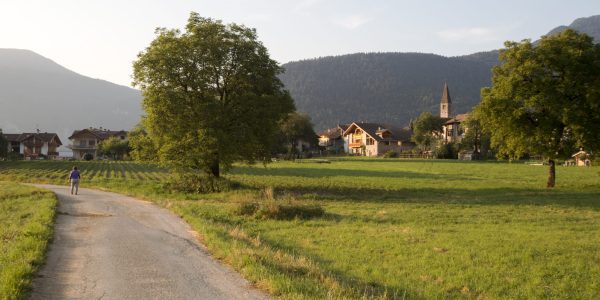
109 246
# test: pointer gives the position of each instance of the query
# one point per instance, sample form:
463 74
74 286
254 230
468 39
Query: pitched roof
332 133
446 95
457 119
343 127
372 129
44 137
12 137
101 134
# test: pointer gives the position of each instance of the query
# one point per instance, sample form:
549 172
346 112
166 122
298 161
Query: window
370 141
122 137
92 142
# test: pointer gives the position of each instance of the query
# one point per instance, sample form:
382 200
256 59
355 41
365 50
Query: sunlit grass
392 228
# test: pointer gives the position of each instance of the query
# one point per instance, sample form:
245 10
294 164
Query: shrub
448 151
390 154
246 208
198 183
14 156
267 206
289 210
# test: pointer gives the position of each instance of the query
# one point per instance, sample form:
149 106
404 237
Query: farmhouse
374 139
84 143
34 145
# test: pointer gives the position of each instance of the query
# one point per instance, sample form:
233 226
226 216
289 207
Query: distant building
374 139
333 140
34 145
84 143
582 159
453 130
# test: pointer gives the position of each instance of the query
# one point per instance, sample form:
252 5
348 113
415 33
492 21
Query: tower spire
445 102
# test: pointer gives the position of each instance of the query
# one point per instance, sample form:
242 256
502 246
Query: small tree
475 138
211 96
427 130
296 127
544 98
114 147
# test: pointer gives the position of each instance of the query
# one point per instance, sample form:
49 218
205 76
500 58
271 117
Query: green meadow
26 218
392 229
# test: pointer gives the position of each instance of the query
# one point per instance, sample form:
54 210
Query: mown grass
392 229
26 218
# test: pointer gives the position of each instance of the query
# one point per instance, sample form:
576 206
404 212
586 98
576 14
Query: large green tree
427 130
545 98
211 95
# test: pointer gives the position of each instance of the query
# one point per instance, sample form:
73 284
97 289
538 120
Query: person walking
74 177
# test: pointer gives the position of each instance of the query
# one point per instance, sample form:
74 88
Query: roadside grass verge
26 219
391 229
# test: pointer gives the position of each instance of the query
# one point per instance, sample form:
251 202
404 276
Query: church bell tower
445 103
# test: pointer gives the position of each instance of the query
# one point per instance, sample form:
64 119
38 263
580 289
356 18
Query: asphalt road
109 246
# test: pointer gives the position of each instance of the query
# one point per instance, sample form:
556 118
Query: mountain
589 26
393 87
382 87
36 92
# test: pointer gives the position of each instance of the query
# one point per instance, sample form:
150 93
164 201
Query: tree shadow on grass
331 172
458 196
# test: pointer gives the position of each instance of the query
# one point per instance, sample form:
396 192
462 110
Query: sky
101 38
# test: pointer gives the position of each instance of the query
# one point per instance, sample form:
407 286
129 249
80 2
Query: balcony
52 153
82 147
355 145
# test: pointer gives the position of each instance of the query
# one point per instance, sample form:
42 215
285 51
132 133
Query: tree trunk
214 168
552 174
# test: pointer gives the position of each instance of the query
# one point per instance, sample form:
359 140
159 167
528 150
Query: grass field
26 216
393 228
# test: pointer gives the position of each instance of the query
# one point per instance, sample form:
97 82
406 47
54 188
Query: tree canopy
211 95
544 98
427 129
296 127
114 147
474 138
142 146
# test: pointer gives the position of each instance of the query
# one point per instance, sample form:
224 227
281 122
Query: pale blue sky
100 38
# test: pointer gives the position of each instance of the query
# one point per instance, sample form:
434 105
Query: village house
84 143
453 130
582 159
333 139
34 145
373 139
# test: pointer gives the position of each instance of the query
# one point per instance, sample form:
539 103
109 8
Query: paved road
108 246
